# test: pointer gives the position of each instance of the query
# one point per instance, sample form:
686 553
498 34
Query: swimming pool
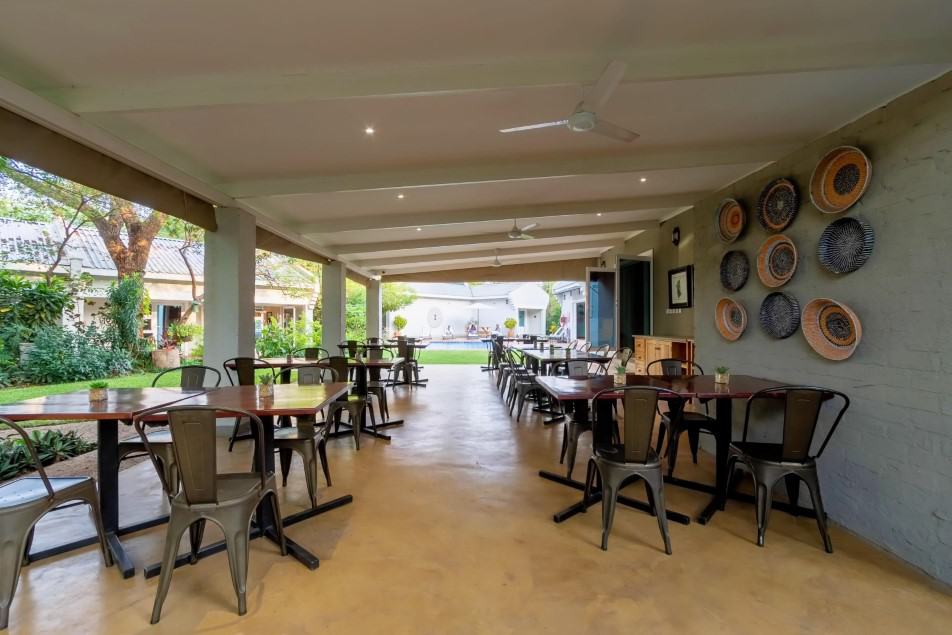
437 345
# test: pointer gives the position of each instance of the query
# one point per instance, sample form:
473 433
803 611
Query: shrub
510 323
51 446
13 458
123 313
399 322
26 306
276 340
61 355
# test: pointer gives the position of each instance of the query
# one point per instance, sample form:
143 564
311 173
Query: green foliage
266 378
510 323
98 385
395 296
399 322
178 332
50 445
276 340
61 355
123 312
721 370
26 306
553 313
355 311
13 458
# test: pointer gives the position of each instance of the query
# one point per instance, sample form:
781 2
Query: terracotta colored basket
840 179
777 261
730 220
831 328
730 317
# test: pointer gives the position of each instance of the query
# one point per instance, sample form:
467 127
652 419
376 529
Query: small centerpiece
266 387
510 324
98 391
722 375
620 375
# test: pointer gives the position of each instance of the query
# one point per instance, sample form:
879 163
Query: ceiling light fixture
419 229
644 179
400 196
598 213
369 130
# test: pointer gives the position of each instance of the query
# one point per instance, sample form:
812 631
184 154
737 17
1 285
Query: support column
229 311
374 304
333 305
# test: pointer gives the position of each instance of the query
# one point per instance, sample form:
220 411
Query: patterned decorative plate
780 315
730 317
734 270
846 244
840 179
778 205
730 221
776 261
831 328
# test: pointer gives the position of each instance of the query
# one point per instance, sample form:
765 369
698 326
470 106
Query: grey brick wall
887 474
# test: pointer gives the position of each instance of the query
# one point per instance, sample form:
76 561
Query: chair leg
373 419
574 432
173 535
673 442
234 433
763 510
310 474
355 416
565 442
285 454
589 479
92 499
661 430
813 486
12 545
195 533
278 526
236 543
322 452
609 500
694 439
27 546
654 483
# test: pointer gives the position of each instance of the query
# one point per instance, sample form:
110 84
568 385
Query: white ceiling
264 105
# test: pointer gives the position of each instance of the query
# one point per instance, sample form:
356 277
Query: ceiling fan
521 234
496 262
585 117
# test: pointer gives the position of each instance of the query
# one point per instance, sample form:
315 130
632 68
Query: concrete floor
451 532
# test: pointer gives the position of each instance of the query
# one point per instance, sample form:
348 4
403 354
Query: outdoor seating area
476 317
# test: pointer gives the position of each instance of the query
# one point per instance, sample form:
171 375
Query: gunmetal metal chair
244 371
354 405
312 353
690 421
618 464
790 459
308 438
23 502
192 378
227 499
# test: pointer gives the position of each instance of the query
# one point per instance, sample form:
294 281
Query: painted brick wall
887 474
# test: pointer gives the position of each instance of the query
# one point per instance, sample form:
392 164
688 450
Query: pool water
437 345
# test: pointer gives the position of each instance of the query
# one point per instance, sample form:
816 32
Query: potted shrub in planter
510 325
722 375
399 323
167 356
620 375
98 391
266 386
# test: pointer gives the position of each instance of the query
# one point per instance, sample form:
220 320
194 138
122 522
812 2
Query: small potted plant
620 375
722 375
510 325
266 386
98 391
399 323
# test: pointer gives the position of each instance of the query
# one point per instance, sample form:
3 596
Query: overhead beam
482 254
382 81
544 271
638 161
586 231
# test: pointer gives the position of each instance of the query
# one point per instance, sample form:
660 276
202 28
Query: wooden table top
288 399
122 403
420 345
546 356
698 386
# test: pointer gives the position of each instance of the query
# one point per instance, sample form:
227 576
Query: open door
601 306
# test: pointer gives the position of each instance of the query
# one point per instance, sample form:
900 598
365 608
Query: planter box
166 358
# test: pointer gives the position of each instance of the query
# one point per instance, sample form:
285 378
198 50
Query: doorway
580 320
634 299
600 306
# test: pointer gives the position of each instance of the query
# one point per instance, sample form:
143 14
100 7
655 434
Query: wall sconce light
676 236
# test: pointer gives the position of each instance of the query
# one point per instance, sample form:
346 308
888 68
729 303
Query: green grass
143 380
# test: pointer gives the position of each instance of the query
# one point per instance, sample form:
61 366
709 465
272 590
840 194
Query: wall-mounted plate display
730 317
840 179
730 220
735 268
831 328
780 315
845 244
778 205
776 261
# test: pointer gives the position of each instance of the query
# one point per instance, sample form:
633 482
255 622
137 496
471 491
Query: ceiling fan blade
536 126
608 129
529 226
526 236
603 89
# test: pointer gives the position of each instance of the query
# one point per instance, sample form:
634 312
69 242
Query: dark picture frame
681 287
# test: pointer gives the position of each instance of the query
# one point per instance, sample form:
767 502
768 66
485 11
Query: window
522 317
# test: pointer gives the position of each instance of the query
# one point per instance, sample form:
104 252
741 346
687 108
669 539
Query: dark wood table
579 393
700 387
544 359
289 400
121 405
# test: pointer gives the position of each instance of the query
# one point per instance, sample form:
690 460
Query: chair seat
769 452
692 418
231 488
162 435
615 452
30 489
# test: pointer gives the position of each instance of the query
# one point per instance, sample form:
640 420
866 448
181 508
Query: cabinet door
639 349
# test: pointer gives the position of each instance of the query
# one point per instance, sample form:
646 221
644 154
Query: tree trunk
130 258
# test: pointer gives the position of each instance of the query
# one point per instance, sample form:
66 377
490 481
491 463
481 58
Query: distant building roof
36 243
466 291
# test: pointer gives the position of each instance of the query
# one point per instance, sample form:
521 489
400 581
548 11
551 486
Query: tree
395 296
553 313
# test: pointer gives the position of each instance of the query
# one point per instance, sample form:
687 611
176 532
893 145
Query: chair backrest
194 447
641 404
576 368
192 377
572 345
312 352
374 340
338 364
674 367
623 356
28 443
800 417
585 347
244 370
379 353
314 374
352 347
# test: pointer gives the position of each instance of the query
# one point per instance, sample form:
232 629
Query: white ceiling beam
643 65
482 254
610 230
428 219
511 260
641 161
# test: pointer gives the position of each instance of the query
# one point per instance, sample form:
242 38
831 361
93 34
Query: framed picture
681 287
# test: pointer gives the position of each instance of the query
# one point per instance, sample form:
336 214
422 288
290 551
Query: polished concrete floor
451 532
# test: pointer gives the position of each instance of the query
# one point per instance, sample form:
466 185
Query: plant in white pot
620 375
266 386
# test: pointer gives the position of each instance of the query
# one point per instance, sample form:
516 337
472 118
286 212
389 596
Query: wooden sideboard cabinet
648 348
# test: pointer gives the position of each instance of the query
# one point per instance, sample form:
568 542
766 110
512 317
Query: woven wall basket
776 261
840 179
730 317
831 328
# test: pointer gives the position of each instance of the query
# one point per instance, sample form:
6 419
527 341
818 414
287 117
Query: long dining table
701 387
543 359
123 404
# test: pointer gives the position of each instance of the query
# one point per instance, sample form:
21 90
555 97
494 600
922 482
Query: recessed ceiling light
598 213
419 229
644 178
369 130
400 196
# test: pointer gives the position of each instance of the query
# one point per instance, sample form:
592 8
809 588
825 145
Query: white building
571 296
27 248
445 310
